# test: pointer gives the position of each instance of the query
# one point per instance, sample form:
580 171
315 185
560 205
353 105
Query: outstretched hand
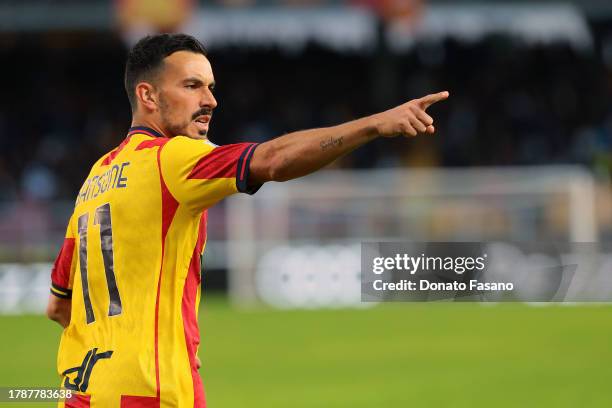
299 153
410 118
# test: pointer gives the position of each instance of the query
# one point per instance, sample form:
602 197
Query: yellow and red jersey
131 264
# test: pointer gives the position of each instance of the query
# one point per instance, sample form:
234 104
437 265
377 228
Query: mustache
203 111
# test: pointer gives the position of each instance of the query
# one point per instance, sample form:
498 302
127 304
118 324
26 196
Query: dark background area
64 105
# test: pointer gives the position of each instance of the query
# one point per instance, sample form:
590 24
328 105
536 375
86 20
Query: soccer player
126 283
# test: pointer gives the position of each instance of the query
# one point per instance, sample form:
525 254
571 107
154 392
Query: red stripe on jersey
111 156
169 207
60 274
129 401
78 401
190 322
221 162
147 144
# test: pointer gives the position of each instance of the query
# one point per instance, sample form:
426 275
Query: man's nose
208 99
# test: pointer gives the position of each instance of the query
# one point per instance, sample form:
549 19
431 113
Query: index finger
429 100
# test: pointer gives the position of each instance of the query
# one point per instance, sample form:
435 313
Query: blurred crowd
64 105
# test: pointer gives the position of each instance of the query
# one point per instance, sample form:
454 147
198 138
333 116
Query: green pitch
398 355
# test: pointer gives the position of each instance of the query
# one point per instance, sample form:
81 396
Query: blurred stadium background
523 152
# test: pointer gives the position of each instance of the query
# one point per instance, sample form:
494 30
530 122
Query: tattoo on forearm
331 142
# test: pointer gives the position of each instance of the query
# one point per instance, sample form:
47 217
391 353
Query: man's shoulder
183 148
186 140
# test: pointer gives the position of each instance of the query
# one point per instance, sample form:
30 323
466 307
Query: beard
175 128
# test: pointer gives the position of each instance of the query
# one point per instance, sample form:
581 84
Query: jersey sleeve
62 274
199 173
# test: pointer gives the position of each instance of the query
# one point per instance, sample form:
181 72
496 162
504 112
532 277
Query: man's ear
146 95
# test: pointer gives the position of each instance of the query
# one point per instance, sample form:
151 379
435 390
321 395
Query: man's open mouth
203 119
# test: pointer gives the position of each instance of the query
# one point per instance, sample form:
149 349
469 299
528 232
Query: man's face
186 101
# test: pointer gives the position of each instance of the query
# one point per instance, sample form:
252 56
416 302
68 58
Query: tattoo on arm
331 142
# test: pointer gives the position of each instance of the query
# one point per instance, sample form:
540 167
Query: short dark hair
147 56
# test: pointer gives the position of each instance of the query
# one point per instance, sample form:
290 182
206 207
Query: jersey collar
144 130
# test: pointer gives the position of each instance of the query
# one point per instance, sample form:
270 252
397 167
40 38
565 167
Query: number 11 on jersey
102 217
